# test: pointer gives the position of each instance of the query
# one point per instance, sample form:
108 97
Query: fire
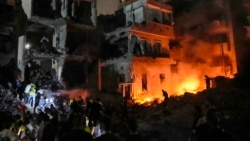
190 85
147 98
184 72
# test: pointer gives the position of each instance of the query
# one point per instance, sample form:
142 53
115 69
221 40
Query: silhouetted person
37 99
89 102
18 87
197 116
75 130
209 131
77 135
208 82
133 135
95 111
107 135
165 94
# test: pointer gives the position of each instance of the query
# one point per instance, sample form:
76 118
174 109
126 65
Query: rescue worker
89 102
22 129
42 101
18 87
44 44
32 95
106 133
96 111
74 108
37 100
26 92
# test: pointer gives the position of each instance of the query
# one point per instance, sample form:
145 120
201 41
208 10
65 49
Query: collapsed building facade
143 45
44 39
49 23
148 58
9 31
45 25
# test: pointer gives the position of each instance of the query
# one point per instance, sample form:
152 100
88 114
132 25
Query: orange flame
190 84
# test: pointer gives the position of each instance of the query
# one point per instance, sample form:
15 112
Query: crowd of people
87 119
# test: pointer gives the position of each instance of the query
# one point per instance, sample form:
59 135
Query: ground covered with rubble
174 121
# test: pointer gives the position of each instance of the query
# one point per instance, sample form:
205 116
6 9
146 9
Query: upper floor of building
147 30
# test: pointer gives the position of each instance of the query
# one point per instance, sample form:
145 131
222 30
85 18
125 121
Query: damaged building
42 29
143 55
49 24
45 34
11 14
138 61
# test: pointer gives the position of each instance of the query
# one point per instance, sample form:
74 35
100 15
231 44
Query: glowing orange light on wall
189 85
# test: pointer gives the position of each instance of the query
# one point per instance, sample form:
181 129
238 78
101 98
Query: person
44 44
26 92
37 100
165 94
95 111
106 133
197 120
89 102
32 95
210 129
21 129
208 82
17 86
42 101
76 131
22 109
77 135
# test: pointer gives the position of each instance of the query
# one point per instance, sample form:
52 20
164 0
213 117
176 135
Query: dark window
157 48
144 82
162 78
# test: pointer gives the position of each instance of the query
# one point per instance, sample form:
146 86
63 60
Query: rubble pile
174 122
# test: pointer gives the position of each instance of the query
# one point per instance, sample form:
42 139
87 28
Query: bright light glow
51 100
189 85
144 97
27 46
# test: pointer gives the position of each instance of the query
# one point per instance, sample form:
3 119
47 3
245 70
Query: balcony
154 28
155 51
217 26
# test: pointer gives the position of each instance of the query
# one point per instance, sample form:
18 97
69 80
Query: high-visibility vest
33 91
71 101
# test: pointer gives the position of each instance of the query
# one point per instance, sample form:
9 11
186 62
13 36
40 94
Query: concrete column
20 54
27 7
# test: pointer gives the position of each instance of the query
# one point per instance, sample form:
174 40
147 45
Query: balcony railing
217 26
154 53
155 28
